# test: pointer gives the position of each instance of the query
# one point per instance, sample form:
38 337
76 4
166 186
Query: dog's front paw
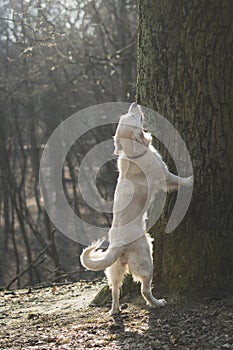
188 181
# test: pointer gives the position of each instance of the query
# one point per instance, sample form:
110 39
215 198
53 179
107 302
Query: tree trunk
185 72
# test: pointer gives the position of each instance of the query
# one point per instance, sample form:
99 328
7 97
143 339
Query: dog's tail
95 259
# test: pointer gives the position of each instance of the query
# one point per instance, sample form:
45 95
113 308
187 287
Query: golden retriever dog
142 173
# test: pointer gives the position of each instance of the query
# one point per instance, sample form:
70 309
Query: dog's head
130 136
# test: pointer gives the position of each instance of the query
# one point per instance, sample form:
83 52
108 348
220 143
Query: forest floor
60 317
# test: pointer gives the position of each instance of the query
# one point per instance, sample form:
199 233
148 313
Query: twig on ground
34 263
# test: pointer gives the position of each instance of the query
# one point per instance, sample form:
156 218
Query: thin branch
113 55
33 264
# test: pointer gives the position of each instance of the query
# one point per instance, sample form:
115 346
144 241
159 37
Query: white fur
142 173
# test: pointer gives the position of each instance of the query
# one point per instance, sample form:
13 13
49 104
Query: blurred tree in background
56 57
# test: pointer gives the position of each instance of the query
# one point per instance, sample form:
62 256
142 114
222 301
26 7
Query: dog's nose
133 107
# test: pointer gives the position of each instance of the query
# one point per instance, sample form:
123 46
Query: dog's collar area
137 156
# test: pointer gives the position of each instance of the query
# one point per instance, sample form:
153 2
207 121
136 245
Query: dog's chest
146 174
129 169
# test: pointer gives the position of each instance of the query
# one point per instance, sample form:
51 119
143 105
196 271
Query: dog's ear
141 137
117 145
138 136
147 138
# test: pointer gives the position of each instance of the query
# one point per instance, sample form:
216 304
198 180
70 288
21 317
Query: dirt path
51 300
58 318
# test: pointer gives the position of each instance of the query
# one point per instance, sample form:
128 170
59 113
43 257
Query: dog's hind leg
141 266
147 294
115 274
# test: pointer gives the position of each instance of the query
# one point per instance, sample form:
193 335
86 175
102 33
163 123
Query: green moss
103 297
129 289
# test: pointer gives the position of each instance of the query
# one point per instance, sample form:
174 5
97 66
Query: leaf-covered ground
59 318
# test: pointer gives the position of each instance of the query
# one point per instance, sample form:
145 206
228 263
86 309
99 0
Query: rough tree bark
185 72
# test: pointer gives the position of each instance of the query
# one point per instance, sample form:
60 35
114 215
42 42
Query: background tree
185 72
56 57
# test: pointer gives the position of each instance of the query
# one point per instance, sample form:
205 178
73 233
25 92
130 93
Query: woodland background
56 57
